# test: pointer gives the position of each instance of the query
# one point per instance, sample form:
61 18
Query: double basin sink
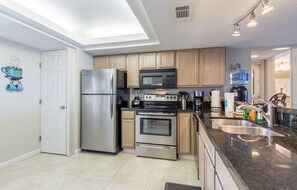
243 127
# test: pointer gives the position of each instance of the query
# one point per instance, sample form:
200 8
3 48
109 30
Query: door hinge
40 101
40 138
40 64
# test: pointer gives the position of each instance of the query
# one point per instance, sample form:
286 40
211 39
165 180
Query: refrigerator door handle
111 106
111 83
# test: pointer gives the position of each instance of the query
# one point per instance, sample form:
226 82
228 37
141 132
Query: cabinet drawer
224 175
208 144
128 114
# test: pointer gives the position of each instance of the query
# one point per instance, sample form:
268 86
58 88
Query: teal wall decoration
14 73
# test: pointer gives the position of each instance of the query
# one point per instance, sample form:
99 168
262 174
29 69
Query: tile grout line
145 187
116 173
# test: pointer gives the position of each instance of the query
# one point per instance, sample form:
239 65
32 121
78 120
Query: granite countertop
269 163
128 108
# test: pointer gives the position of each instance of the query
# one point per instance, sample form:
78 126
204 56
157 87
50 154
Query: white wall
294 75
242 56
77 61
20 111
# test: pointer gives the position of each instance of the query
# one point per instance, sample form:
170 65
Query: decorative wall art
14 73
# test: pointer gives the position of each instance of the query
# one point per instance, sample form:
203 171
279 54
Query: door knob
62 107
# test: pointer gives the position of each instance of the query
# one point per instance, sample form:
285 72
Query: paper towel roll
215 99
229 102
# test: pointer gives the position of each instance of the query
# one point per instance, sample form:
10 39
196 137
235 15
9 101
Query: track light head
252 22
236 32
266 7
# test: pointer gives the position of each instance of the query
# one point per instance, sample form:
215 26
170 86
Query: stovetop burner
160 103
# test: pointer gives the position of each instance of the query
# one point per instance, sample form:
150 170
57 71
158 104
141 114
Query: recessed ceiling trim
140 13
121 45
17 13
75 45
22 15
115 39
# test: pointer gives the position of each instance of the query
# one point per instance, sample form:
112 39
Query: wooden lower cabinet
201 162
213 173
218 185
209 172
185 133
128 129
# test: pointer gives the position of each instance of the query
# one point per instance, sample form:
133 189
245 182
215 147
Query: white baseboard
129 150
19 158
186 156
77 150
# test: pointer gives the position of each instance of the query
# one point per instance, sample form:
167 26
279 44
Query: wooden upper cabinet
212 67
117 62
187 65
148 60
166 59
133 70
101 62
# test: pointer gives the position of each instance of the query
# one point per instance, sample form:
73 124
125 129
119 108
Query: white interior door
53 107
255 81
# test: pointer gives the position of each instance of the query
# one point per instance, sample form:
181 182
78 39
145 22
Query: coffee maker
198 100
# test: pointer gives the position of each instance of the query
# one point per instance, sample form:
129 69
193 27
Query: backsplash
141 92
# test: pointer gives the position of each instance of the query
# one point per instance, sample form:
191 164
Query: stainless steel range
156 127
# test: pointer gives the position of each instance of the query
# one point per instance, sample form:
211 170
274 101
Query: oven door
156 129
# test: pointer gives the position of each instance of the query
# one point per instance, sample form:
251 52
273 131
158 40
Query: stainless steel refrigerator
100 116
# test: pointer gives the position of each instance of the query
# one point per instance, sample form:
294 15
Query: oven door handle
159 147
156 114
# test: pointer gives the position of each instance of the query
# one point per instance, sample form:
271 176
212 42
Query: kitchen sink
243 127
233 122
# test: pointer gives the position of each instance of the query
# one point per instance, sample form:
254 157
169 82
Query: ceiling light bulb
252 22
266 7
236 32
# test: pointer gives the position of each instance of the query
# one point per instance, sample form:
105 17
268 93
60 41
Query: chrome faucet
269 115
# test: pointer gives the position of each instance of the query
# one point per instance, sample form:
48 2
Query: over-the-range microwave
155 79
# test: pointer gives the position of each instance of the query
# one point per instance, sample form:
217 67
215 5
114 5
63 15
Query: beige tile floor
96 171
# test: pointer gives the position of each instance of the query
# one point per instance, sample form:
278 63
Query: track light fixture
236 31
266 7
252 23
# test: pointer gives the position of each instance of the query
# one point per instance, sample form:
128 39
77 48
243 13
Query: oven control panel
161 97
